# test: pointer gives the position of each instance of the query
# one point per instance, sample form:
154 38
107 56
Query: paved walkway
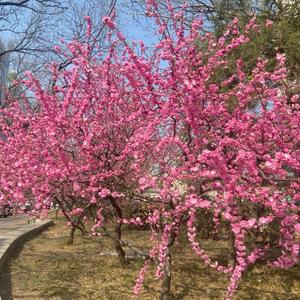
11 223
14 231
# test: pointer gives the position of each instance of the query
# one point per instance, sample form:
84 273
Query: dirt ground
47 268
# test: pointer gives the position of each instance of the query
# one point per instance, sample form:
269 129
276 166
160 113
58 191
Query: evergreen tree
284 36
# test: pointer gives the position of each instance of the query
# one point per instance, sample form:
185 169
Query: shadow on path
5 276
5 284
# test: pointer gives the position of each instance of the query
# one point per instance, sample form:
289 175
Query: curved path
15 230
11 223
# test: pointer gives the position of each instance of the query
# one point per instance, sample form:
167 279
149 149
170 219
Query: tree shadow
5 283
63 292
5 276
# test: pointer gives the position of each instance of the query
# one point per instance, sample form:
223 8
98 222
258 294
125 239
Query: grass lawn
47 268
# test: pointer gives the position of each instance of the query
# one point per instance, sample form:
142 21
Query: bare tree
25 23
30 28
73 26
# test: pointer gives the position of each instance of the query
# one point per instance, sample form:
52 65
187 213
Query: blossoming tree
109 131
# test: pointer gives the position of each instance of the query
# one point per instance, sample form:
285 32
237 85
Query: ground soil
47 268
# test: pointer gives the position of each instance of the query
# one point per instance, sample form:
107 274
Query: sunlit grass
48 268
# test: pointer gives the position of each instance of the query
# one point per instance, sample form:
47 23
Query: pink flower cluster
166 133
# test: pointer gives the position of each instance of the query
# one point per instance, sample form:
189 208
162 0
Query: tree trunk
71 236
56 213
231 241
166 283
118 231
165 290
118 245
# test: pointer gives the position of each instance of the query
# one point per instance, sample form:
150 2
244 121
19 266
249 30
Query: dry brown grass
47 268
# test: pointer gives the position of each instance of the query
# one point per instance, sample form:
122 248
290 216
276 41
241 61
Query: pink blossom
297 227
269 23
109 23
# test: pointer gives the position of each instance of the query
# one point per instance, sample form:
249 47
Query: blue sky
133 27
140 29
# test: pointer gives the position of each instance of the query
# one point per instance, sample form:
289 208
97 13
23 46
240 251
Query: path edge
13 241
